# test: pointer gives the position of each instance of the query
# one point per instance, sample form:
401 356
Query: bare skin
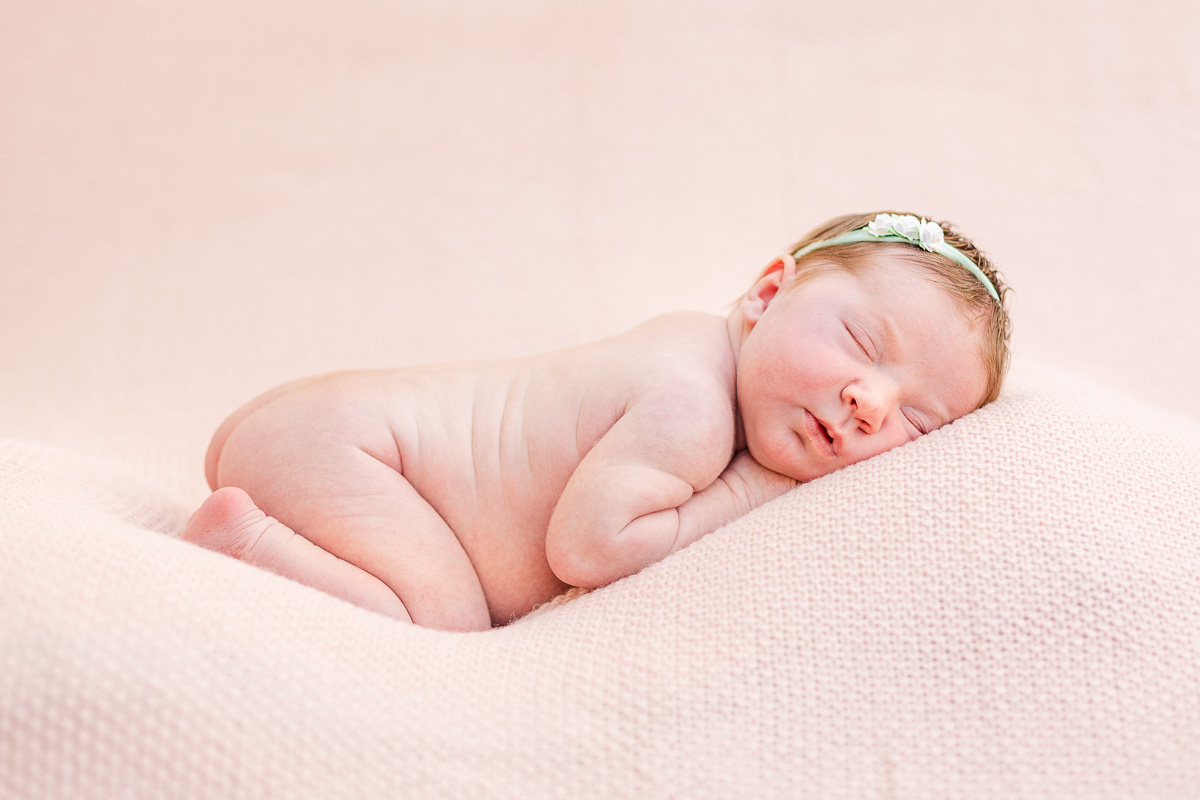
461 497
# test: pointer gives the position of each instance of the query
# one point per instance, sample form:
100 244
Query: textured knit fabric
1006 608
200 200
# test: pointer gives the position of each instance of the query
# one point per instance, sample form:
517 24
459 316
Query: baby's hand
742 487
751 484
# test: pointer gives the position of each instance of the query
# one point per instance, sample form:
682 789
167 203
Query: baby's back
491 446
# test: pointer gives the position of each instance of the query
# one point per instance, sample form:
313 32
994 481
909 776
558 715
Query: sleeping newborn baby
462 496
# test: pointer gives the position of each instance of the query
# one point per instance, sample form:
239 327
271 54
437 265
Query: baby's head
974 296
870 331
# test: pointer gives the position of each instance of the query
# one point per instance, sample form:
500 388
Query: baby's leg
230 523
301 461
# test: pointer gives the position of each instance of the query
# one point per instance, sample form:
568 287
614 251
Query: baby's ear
778 274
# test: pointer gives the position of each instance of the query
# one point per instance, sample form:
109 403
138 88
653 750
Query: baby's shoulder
678 359
687 347
683 369
690 326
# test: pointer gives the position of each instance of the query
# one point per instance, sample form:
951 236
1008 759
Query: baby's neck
735 325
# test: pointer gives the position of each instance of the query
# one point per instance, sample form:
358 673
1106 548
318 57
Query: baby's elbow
579 564
569 568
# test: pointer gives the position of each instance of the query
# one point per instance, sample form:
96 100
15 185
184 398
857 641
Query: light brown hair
971 295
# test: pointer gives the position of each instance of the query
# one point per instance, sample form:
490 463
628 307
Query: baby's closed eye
916 421
862 340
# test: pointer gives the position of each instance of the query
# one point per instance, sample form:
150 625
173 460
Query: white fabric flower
907 226
931 235
881 225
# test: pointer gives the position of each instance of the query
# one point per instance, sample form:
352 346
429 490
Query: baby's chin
803 472
811 474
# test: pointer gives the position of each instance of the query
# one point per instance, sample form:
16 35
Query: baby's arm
656 482
743 486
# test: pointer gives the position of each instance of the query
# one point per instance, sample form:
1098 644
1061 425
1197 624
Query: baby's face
843 367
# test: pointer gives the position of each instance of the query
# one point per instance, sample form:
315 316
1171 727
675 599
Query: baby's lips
819 434
835 436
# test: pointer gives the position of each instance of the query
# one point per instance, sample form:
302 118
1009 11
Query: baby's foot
230 523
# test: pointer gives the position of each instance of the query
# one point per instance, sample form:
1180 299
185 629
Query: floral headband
910 230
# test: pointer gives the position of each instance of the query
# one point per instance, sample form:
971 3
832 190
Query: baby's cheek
783 454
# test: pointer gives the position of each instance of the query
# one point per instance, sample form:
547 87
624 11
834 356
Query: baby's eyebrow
891 342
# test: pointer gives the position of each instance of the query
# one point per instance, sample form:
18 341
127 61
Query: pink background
200 200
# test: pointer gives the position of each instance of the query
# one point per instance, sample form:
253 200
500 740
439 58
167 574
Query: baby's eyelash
916 422
858 337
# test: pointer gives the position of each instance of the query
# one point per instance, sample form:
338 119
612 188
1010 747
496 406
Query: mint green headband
909 230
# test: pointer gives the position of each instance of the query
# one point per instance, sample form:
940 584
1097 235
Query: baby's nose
871 401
